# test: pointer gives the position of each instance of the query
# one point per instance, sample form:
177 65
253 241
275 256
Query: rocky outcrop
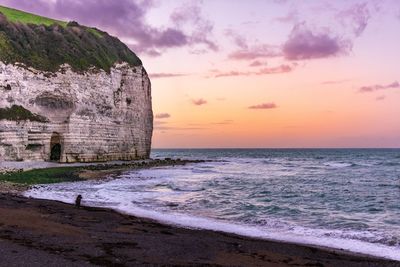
71 116
70 93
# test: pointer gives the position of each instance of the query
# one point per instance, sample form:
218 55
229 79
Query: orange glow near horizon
316 73
308 112
316 104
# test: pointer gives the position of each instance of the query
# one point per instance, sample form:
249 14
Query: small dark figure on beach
78 201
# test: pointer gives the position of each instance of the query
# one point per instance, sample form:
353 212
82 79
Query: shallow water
345 198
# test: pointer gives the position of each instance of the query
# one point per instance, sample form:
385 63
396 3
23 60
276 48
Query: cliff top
17 16
45 44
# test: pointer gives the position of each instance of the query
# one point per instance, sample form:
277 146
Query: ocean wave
203 171
188 189
389 163
340 164
312 167
346 199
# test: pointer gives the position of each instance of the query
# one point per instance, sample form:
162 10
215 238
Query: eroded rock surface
84 116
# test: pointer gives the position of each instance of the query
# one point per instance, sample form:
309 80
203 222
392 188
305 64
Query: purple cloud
372 88
188 12
125 19
280 2
356 17
170 38
291 17
202 29
304 44
270 105
263 51
165 75
380 98
199 102
163 116
237 39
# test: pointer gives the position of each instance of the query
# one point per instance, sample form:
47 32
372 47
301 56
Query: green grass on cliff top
14 15
45 44
18 16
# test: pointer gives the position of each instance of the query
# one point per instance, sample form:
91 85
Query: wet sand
37 232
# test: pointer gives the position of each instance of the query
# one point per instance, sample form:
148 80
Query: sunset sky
258 73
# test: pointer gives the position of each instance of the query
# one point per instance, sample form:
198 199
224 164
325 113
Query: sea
339 198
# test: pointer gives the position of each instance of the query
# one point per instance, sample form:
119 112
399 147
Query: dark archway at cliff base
55 147
55 152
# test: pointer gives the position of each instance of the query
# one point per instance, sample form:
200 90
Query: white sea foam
338 164
119 202
251 231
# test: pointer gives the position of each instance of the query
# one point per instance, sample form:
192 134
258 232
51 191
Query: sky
258 73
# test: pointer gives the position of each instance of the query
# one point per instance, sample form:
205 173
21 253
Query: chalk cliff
70 93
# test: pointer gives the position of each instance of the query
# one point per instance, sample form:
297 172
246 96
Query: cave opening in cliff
55 147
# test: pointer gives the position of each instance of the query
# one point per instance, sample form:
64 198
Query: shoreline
58 224
90 236
17 180
243 231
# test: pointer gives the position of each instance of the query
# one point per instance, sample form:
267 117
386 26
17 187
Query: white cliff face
91 116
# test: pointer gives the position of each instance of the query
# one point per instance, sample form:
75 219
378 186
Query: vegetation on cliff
45 44
80 173
19 113
18 16
43 176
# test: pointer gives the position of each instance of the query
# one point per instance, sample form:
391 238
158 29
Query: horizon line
275 148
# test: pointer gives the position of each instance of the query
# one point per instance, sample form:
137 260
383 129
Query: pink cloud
270 105
304 44
372 88
380 98
163 116
284 68
165 75
256 63
335 82
263 51
171 128
280 69
199 102
232 73
159 123
225 122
